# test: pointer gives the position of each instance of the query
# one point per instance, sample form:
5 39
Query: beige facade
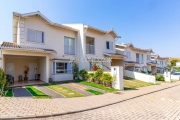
136 59
54 47
161 62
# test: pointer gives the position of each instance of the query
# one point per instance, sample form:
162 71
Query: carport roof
12 45
114 54
151 63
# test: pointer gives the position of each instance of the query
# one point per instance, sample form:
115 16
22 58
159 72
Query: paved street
162 105
153 102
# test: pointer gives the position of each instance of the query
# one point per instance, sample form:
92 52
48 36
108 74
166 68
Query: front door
10 69
32 70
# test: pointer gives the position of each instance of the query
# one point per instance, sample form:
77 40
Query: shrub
98 75
3 83
107 79
90 77
83 73
149 72
159 77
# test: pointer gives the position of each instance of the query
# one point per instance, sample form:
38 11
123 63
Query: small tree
75 70
173 62
83 74
3 83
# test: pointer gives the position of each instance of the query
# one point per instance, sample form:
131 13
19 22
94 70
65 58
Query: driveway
162 105
154 102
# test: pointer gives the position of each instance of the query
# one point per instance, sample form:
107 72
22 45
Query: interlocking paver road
162 105
157 102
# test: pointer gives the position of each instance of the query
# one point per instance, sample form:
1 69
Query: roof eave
19 49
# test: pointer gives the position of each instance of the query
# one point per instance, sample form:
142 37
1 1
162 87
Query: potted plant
95 68
26 72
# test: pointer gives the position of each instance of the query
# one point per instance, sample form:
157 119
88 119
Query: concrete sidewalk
29 107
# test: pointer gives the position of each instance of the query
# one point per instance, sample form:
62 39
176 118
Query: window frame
54 67
142 58
109 45
128 54
89 44
74 45
148 58
43 37
138 58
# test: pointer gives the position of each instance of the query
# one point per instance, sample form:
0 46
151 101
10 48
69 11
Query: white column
117 71
167 75
47 69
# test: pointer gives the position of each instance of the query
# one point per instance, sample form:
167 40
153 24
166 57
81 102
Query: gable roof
158 56
133 47
25 15
15 46
102 31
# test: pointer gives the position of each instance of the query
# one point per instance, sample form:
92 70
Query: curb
77 111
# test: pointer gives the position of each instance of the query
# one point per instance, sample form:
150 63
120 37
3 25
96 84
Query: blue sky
145 23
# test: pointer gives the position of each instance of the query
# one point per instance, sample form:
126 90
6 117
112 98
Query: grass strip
132 84
107 89
94 92
9 93
37 93
64 91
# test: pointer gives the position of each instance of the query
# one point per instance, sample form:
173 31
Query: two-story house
161 62
97 44
42 47
137 59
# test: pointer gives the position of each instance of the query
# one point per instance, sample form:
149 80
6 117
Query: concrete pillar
47 69
167 75
117 71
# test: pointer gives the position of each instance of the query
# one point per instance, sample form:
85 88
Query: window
141 59
69 45
90 45
35 36
148 57
62 67
128 54
137 58
109 45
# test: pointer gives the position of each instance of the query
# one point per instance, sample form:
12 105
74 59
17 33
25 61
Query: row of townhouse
141 60
50 49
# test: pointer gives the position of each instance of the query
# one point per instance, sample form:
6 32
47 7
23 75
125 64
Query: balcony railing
137 60
90 49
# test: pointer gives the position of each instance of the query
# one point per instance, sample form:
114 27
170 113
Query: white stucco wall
35 55
53 36
140 76
133 55
177 63
100 44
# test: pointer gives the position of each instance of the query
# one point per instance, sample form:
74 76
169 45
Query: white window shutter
38 36
31 35
35 36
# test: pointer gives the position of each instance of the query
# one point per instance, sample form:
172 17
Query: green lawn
107 89
64 91
130 83
37 93
9 93
94 92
